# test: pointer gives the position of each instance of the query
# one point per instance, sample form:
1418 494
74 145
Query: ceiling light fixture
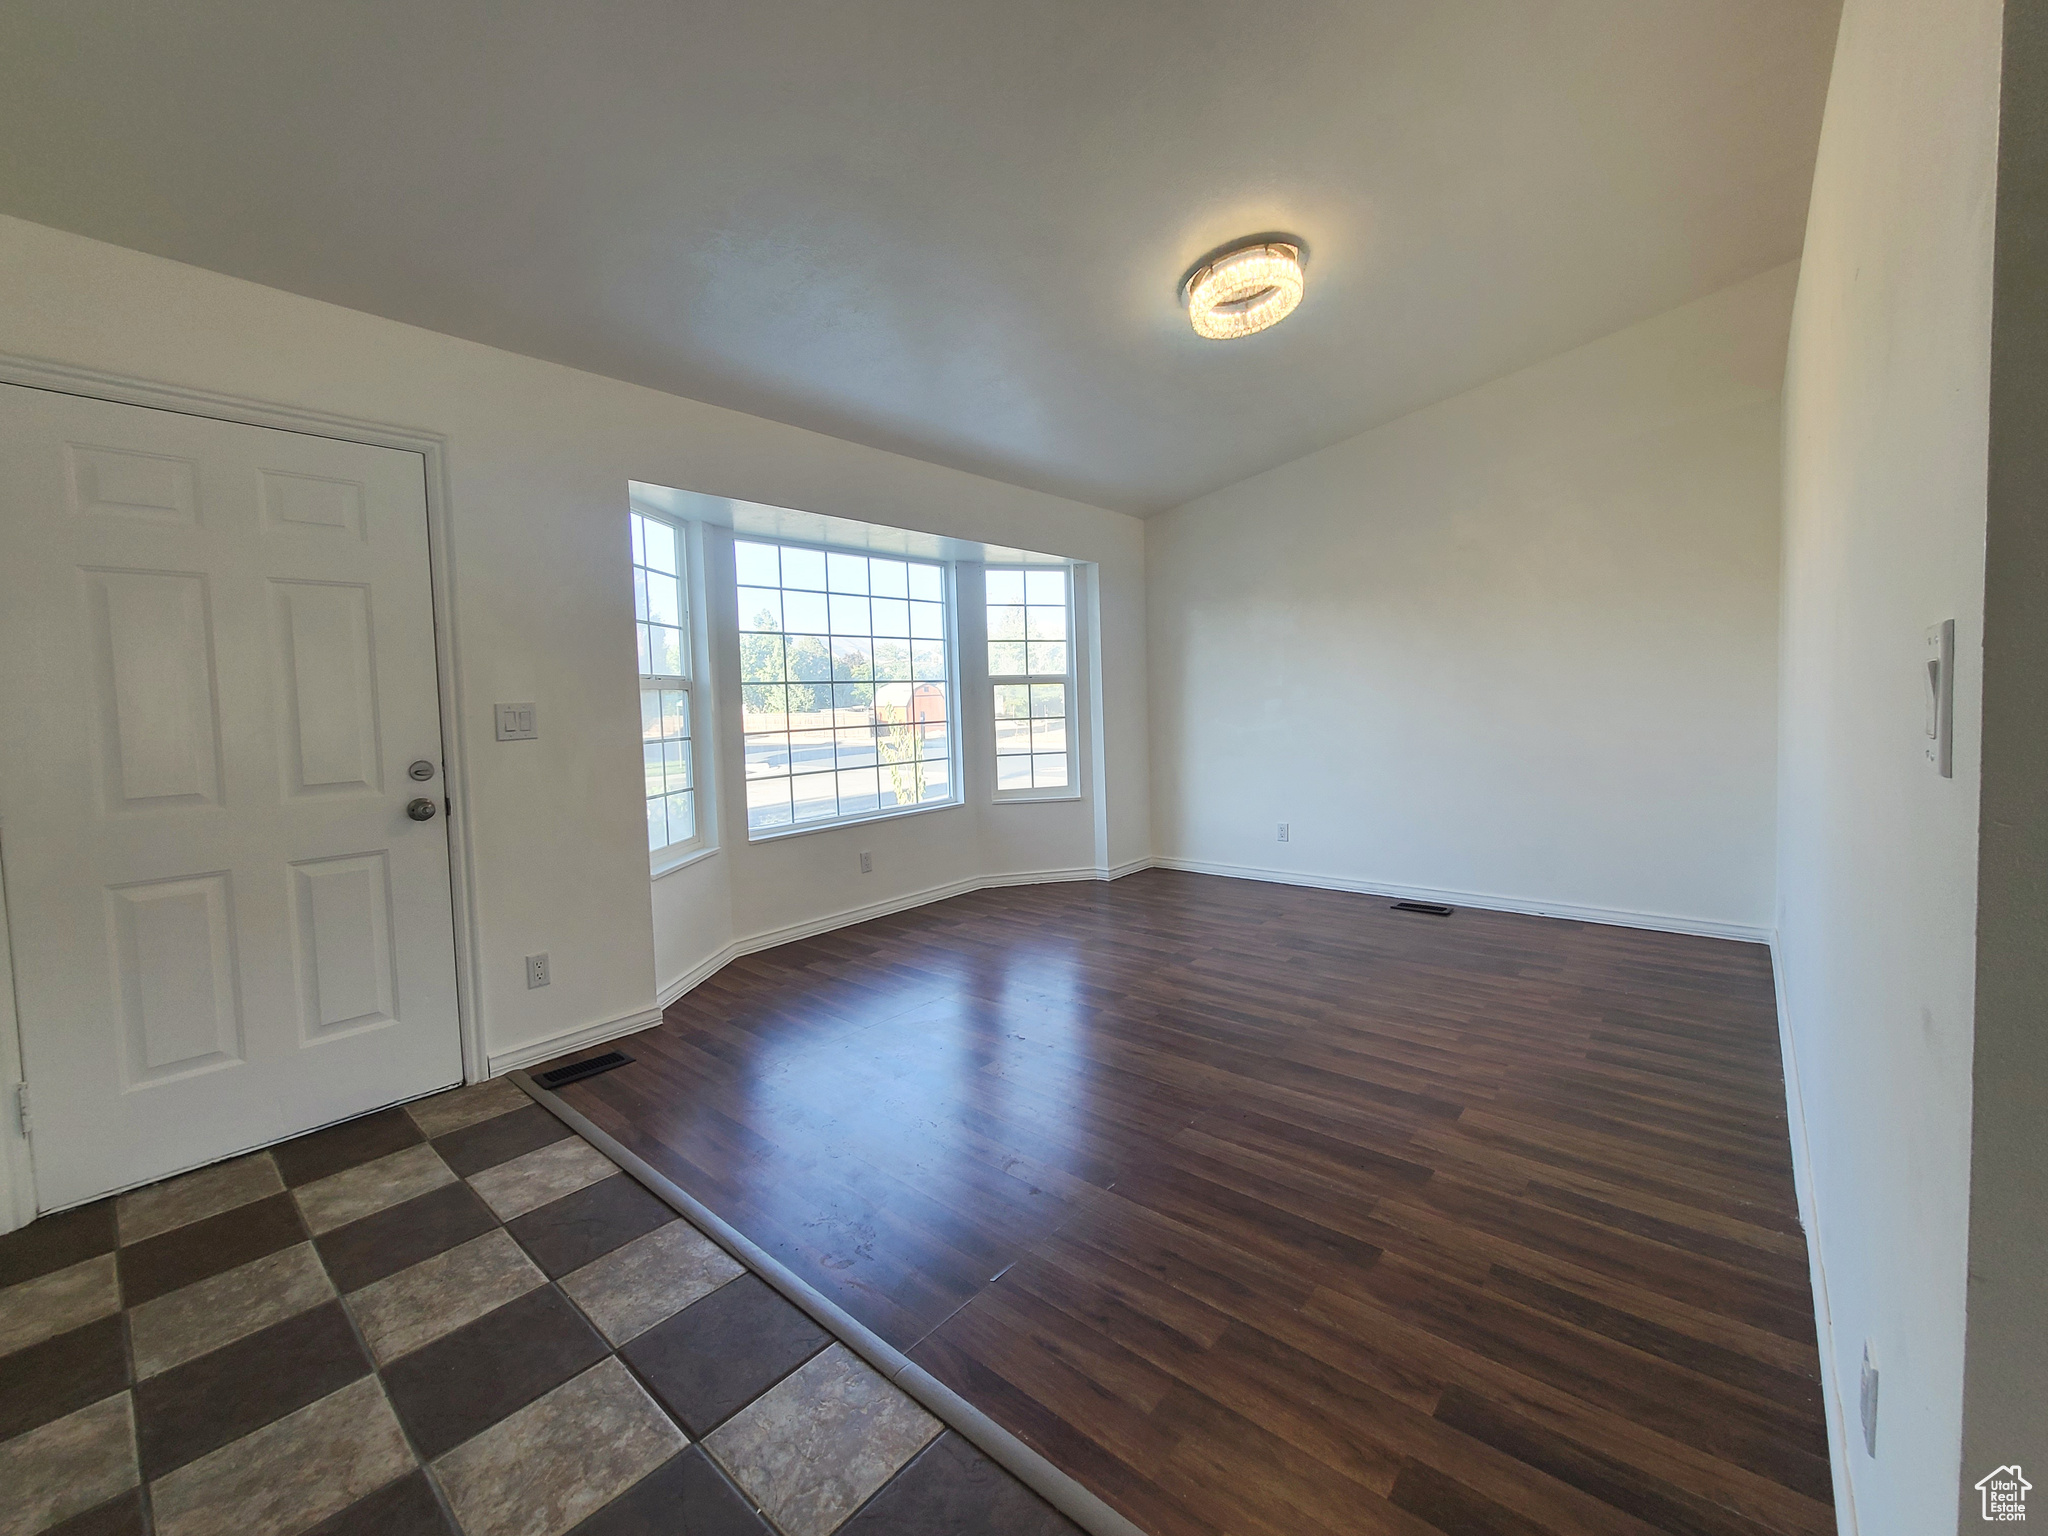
1244 289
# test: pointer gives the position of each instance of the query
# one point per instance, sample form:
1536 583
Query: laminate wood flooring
1275 1212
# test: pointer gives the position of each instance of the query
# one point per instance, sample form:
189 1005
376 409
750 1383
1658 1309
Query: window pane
810 659
675 712
767 803
847 573
928 661
928 702
677 756
892 661
892 615
1048 699
657 824
760 608
682 816
928 620
646 661
1006 658
927 583
896 743
1046 587
1013 773
850 615
892 702
765 705
657 780
1005 587
931 742
854 703
640 595
888 578
650 714
810 751
1048 656
639 548
756 564
860 791
902 783
1013 701
1049 771
660 541
938 781
1046 623
817 797
1049 735
1013 735
853 661
856 746
1006 623
664 651
767 755
761 658
664 599
810 706
803 568
804 613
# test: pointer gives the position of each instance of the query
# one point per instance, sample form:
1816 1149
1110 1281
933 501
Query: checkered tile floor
456 1316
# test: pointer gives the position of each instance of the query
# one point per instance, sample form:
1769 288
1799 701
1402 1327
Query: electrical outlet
1283 831
536 970
1868 1400
867 863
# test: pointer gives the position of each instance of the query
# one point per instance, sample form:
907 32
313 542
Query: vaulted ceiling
952 228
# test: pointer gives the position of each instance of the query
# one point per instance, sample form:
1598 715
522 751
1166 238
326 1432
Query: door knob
420 810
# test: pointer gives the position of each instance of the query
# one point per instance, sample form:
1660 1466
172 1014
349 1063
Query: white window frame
949 639
671 856
1071 790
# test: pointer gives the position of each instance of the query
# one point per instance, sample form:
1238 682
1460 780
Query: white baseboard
1841 1445
572 1040
1614 917
811 927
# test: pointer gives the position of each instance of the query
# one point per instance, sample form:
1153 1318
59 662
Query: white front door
216 668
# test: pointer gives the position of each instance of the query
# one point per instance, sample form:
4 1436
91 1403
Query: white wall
1518 647
538 458
1886 410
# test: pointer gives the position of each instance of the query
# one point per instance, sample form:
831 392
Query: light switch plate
517 722
1941 697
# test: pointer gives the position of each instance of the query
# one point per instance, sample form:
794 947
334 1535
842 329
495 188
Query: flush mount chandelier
1244 289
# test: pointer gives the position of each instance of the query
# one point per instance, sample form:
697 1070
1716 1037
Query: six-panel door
216 664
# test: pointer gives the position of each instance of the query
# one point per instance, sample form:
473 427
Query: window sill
695 856
777 834
1035 797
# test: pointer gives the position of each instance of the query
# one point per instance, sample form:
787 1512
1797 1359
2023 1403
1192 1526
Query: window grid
661 622
1031 678
846 675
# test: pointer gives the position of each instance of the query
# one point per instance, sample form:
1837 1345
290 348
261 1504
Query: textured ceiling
947 228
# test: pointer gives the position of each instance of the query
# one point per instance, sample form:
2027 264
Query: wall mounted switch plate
1941 697
517 722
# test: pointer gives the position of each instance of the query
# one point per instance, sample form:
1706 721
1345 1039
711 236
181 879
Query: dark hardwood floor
1271 1210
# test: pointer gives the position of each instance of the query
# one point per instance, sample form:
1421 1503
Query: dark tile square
952 1487
53 1378
159 1265
205 1403
56 1242
717 1355
499 1139
686 1496
571 1231
404 1508
399 1237
345 1145
464 1383
116 1517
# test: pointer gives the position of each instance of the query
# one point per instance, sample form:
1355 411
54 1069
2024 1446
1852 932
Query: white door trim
64 378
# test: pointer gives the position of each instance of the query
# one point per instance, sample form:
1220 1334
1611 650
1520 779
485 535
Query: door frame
17 1188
